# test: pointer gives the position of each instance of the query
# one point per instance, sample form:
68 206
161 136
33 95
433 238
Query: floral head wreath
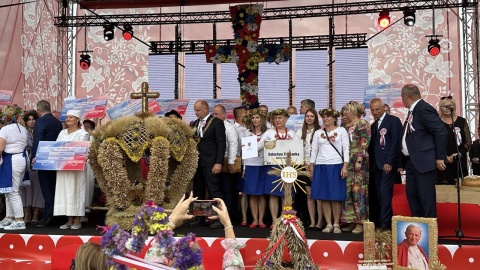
165 249
10 112
278 112
329 112
247 119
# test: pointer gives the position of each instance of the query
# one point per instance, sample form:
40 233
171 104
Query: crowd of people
31 194
353 164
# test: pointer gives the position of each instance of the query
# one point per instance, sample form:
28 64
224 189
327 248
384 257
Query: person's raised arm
180 212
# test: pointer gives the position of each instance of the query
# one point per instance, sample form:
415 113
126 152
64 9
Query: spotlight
127 32
433 47
108 32
384 19
85 61
409 17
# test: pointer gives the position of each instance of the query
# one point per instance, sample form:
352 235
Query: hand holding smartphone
203 208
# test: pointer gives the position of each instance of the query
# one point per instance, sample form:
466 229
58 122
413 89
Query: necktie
406 124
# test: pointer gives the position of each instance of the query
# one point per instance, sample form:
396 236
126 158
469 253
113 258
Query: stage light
127 32
384 19
433 47
108 32
85 61
409 17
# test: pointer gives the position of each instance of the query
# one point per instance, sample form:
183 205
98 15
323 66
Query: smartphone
203 208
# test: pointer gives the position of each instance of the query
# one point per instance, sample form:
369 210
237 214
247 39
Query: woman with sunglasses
458 135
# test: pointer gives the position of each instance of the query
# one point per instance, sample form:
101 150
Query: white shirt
380 120
241 131
232 142
416 260
15 136
323 152
404 143
199 126
306 144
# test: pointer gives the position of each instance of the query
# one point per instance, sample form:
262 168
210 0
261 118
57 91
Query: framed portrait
414 242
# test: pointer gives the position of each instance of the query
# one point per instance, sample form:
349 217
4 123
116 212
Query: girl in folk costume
329 168
13 163
310 125
355 208
256 122
71 185
279 132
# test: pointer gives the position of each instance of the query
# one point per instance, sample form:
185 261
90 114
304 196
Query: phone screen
203 208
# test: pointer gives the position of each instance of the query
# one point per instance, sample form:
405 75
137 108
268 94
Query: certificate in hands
61 156
249 147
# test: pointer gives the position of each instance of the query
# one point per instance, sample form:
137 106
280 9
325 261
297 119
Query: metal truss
65 56
301 42
327 10
471 67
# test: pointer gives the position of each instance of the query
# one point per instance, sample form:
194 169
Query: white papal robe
71 185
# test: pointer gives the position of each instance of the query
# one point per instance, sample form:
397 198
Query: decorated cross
144 94
246 52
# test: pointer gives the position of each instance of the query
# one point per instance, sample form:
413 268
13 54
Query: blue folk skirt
328 184
254 180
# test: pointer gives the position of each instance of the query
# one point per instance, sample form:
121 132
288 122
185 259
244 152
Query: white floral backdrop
40 54
397 55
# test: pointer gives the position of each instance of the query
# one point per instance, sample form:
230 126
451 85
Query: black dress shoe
216 225
45 223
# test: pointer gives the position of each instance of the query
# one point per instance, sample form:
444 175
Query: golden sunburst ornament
288 171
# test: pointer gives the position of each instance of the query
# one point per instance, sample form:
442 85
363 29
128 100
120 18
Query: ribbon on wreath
288 220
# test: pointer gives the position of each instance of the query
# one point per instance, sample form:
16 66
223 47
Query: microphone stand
458 159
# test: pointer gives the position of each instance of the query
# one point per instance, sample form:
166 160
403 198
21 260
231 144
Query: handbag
328 139
237 166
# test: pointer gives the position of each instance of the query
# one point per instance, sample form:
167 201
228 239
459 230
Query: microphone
449 107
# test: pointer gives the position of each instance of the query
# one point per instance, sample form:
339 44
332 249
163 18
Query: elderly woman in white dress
13 162
71 185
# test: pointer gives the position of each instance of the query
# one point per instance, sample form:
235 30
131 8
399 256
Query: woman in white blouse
256 122
279 132
329 167
310 125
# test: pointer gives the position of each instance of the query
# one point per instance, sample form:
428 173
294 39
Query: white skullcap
75 113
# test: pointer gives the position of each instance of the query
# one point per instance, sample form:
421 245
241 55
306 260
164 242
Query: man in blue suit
47 128
385 146
424 144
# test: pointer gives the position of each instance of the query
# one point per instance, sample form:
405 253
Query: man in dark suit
424 144
385 147
47 128
211 146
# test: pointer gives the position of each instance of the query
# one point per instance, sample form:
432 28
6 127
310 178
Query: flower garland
247 119
113 243
9 112
182 254
151 218
329 112
247 53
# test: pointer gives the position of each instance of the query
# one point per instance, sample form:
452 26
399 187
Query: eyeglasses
448 97
447 106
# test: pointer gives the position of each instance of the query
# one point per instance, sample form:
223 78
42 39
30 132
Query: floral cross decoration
247 53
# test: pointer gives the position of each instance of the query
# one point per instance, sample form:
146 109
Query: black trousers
420 190
384 187
48 181
205 179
